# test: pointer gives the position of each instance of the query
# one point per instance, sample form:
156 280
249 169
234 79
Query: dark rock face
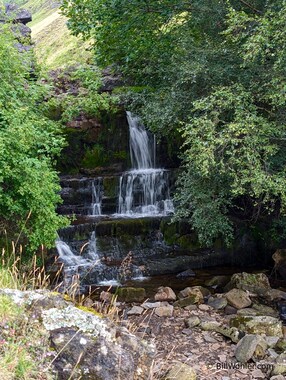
19 18
14 13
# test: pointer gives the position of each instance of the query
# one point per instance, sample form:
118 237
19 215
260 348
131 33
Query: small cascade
90 268
67 256
143 191
96 188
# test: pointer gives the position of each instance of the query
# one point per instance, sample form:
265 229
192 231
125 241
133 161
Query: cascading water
96 188
143 191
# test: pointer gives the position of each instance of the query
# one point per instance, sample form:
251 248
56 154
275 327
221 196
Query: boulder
197 291
164 311
250 347
165 294
258 325
129 294
217 303
253 282
181 371
280 365
238 298
86 345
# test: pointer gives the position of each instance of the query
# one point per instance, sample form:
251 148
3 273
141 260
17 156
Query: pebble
136 310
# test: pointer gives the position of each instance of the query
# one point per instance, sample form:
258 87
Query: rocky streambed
237 333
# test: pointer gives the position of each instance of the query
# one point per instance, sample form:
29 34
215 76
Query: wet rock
257 283
164 311
217 303
279 258
280 366
218 281
181 371
192 321
165 294
232 333
129 294
136 310
238 298
258 325
187 273
250 347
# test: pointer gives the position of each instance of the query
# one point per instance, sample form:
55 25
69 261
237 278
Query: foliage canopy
29 143
213 71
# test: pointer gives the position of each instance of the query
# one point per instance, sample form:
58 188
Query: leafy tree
29 143
213 71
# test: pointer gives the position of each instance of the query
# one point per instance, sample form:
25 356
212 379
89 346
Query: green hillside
54 44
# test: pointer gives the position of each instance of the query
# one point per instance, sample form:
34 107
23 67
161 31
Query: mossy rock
191 300
110 186
169 232
258 325
130 294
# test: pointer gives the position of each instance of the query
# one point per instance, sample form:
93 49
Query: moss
169 232
89 310
95 156
188 242
110 185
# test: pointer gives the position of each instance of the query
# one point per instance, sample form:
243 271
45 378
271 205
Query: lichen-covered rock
86 345
165 293
280 366
250 347
230 332
238 298
258 325
257 283
181 371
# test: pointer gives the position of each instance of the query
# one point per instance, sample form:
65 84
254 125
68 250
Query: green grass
55 47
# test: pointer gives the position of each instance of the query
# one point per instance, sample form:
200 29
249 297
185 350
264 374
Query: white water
96 197
67 256
143 191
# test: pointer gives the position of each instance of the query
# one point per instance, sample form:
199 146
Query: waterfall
142 151
143 191
96 189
